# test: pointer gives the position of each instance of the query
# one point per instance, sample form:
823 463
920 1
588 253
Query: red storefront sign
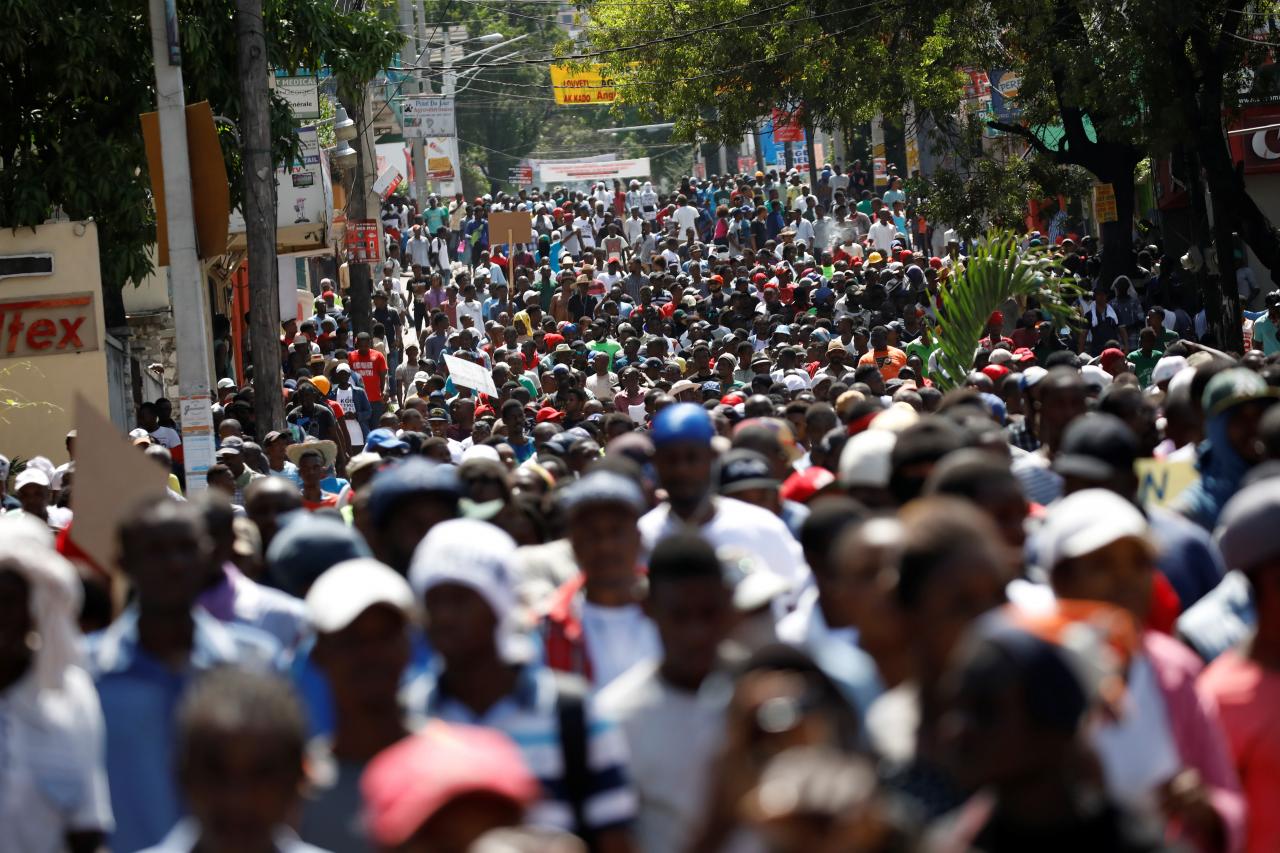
53 325
1258 147
787 127
362 241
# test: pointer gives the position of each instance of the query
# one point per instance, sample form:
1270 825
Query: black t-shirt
318 423
390 320
1110 829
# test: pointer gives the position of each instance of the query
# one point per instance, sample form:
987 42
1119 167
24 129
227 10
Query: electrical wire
755 13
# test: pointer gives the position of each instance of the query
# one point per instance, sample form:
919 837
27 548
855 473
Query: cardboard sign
54 325
510 227
1160 482
468 375
112 478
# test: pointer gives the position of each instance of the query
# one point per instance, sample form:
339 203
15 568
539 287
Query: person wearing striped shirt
464 573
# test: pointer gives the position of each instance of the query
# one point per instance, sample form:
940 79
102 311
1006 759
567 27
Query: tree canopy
72 85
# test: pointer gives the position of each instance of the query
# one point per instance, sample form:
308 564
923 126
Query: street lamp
344 155
343 126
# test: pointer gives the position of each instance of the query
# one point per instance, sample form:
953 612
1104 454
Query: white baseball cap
1086 521
31 475
345 591
342 367
475 554
1167 368
865 460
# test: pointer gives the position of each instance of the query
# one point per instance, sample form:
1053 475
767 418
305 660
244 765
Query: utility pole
448 88
185 276
418 144
259 215
359 297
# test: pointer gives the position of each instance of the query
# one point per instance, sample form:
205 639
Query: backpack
571 714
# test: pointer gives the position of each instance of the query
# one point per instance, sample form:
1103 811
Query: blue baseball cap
306 545
603 487
683 423
383 439
412 477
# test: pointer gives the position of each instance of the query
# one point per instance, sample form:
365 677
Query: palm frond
996 272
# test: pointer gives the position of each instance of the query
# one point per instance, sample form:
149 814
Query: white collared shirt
53 777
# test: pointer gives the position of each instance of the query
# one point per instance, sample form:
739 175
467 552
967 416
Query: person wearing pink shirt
1097 547
1245 682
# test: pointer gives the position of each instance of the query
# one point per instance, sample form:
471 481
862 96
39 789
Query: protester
359 611
714 552
240 765
51 727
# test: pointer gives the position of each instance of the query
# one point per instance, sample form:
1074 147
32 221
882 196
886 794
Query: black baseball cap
1096 446
742 469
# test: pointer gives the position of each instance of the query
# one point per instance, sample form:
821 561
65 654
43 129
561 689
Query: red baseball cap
996 371
1110 356
546 413
409 782
803 485
1024 354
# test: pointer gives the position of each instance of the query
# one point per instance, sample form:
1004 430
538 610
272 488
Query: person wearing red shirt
995 333
372 367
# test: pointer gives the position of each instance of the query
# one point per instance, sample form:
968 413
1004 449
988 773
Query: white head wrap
27 548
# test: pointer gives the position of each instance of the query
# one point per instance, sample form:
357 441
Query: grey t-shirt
332 808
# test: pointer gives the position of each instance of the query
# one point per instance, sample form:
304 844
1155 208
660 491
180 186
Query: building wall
45 386
1265 191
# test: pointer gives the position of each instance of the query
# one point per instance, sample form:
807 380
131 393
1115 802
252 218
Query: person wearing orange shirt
888 359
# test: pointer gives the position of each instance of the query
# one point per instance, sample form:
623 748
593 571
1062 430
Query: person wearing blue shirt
496 303
143 663
477 234
774 223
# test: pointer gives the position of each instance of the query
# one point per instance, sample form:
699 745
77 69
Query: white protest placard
470 375
387 181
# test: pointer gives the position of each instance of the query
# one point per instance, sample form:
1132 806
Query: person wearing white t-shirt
672 711
633 226
838 182
594 624
686 219
585 229
883 232
683 458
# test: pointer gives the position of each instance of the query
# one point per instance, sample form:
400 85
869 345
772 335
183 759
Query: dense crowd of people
668 533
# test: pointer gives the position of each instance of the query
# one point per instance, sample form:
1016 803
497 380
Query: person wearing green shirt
1144 358
864 203
435 216
922 347
605 344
